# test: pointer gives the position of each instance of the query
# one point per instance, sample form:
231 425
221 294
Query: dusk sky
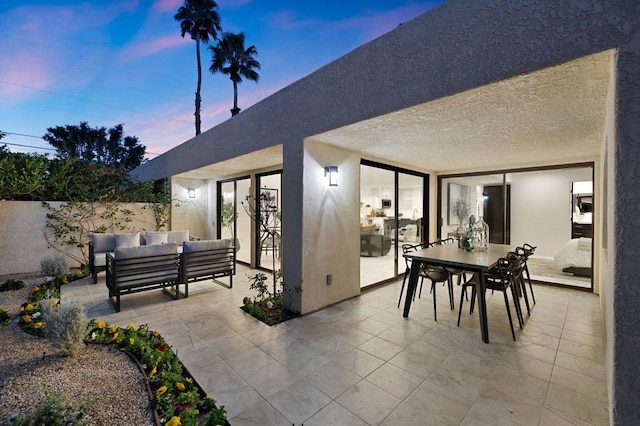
123 61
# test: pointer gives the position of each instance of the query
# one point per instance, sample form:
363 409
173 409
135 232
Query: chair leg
533 296
516 303
404 279
462 293
433 289
506 302
523 286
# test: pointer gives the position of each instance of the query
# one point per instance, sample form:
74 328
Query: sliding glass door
234 221
391 214
539 207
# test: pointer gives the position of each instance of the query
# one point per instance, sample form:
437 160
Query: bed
575 257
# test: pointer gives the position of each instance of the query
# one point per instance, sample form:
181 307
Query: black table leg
482 308
411 286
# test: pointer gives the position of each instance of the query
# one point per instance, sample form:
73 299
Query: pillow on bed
127 240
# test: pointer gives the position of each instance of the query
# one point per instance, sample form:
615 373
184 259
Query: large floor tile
369 402
299 401
394 380
335 414
565 402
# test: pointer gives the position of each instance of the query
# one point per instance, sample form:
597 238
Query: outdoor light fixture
192 192
332 172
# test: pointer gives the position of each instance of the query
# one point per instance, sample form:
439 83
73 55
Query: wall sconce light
332 172
192 192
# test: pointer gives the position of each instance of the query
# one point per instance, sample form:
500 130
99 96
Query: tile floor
360 362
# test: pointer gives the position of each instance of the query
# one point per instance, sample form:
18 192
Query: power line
37 137
27 146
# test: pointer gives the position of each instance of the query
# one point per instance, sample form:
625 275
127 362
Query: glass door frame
424 233
258 230
504 172
220 200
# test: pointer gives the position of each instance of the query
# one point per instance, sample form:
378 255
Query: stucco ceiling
551 116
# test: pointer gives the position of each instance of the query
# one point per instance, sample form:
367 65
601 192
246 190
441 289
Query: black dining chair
526 251
500 278
455 272
406 248
518 277
438 274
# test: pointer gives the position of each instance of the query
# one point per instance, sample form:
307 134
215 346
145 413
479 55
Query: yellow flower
155 333
131 326
39 324
101 324
188 379
64 280
115 336
26 318
161 390
36 288
55 302
175 421
29 307
131 341
152 372
180 386
113 328
79 274
21 309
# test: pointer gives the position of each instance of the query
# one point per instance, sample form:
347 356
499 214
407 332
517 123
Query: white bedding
575 253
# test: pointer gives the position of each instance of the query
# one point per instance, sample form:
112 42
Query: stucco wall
23 226
625 242
331 229
190 213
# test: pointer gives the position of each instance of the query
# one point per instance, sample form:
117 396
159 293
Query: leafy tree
200 19
21 175
231 58
108 147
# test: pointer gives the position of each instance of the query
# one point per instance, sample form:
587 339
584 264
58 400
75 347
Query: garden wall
24 234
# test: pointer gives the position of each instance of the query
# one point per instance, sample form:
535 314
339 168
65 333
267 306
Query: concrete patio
360 362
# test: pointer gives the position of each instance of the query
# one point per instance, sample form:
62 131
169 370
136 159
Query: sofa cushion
154 238
178 237
192 246
127 240
103 243
144 251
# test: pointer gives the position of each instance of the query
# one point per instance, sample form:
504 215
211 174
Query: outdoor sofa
101 244
167 267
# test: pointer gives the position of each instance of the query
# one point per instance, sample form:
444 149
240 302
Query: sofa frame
136 274
209 264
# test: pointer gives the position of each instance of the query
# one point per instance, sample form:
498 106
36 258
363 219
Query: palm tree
231 58
201 21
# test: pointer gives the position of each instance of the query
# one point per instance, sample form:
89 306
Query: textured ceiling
549 116
554 115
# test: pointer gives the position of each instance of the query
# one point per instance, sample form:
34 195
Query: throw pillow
154 238
127 240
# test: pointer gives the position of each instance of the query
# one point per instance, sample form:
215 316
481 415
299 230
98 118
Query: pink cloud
23 71
144 48
167 5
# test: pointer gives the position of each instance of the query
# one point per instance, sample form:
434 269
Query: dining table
451 256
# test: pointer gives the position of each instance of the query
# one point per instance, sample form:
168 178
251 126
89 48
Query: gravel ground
31 366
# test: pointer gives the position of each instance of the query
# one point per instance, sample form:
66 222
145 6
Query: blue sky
123 61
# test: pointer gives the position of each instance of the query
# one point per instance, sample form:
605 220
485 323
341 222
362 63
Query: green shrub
5 318
68 330
11 284
54 266
55 411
